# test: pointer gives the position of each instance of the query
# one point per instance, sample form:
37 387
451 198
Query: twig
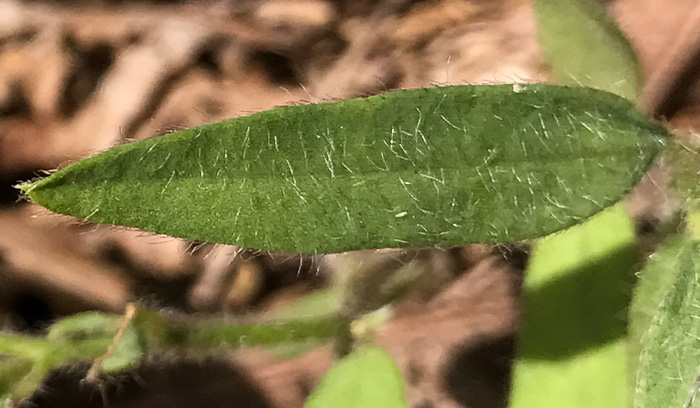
96 367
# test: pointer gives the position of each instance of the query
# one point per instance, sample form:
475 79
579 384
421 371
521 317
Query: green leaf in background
321 302
366 378
101 329
657 279
666 317
83 326
683 153
693 219
572 349
317 304
584 46
14 374
127 352
683 157
427 167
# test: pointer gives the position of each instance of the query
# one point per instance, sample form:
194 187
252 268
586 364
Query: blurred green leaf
572 350
693 219
666 319
318 303
127 352
83 326
584 46
683 157
212 336
13 371
31 348
655 283
426 167
97 331
366 378
683 154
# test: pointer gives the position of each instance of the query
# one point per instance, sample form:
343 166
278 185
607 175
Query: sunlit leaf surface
367 378
573 345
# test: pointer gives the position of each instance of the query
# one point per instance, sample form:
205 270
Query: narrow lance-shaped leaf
666 319
429 167
584 46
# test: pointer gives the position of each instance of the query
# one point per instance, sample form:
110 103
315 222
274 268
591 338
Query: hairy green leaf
683 154
99 330
683 159
666 318
427 167
367 378
25 385
584 46
572 350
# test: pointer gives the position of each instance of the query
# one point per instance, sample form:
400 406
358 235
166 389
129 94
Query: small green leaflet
428 167
585 47
367 378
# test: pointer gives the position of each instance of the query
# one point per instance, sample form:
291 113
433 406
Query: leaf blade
375 172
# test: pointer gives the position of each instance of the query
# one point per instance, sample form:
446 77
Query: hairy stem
24 346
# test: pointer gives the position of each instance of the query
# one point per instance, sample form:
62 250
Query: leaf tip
26 188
